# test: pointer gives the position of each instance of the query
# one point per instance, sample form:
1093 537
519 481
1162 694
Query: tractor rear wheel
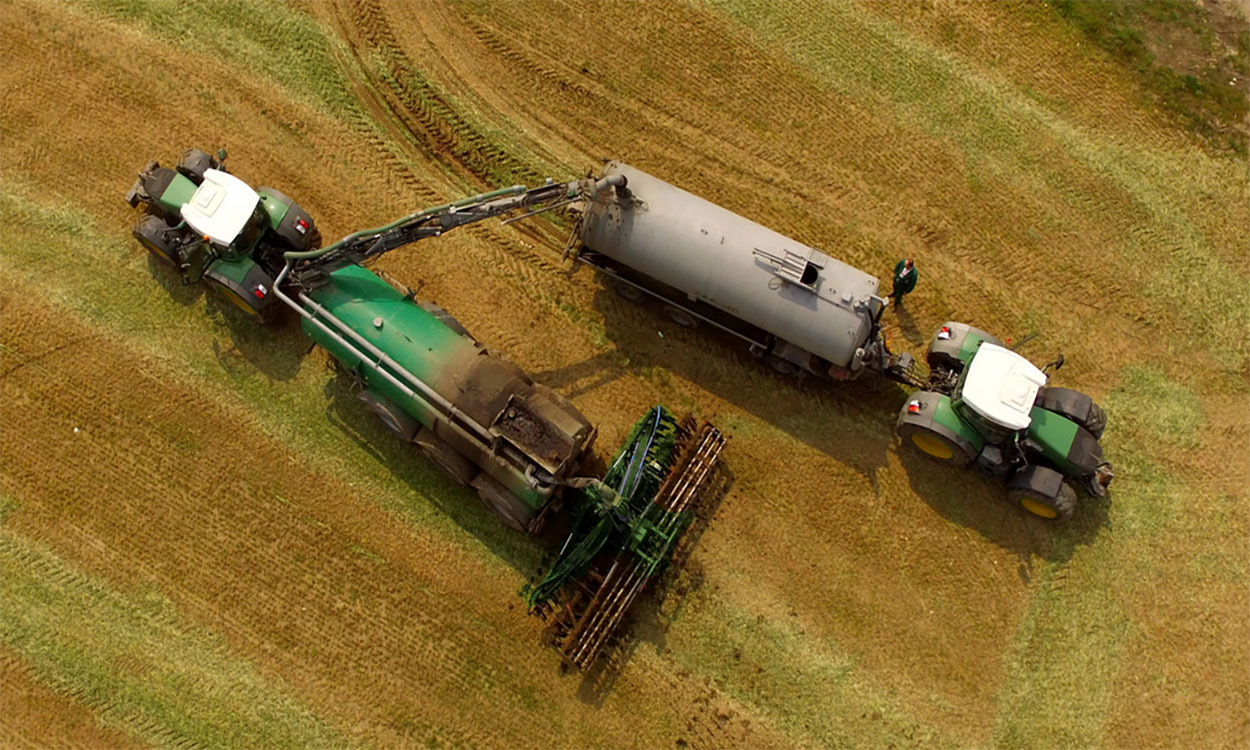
1096 422
236 295
933 445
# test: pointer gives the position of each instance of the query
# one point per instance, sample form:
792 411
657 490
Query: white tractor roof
220 207
1001 386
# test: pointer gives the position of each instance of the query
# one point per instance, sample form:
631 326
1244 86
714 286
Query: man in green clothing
905 274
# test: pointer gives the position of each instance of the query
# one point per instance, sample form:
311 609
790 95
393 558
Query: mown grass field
206 543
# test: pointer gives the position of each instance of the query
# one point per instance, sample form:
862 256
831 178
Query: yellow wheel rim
157 250
1038 508
236 299
935 447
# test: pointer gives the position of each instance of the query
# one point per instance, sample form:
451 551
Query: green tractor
212 226
985 405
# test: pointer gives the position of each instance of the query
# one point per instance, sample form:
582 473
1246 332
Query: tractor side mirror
221 154
1053 365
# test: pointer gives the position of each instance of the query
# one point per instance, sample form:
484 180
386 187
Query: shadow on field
661 603
405 462
835 419
165 275
274 349
906 324
972 500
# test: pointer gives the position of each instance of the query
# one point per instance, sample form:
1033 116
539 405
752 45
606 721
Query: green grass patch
1204 101
1066 658
1152 413
137 663
807 686
267 37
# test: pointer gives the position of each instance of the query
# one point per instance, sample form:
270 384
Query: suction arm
313 267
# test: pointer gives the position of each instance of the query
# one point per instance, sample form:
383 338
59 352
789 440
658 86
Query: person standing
905 275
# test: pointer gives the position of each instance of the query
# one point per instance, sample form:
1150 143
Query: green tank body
414 338
533 432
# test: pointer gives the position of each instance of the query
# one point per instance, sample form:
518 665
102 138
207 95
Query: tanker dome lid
220 207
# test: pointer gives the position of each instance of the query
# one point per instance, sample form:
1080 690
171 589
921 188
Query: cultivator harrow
624 532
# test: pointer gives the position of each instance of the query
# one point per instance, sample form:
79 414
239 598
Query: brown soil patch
37 717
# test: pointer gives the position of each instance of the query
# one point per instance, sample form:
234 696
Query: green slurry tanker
518 444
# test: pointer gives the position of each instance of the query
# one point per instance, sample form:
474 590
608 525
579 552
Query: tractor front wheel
1056 508
1042 492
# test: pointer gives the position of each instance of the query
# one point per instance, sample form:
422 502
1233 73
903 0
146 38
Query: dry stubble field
206 543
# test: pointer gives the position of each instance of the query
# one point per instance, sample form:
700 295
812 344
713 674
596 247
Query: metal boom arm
312 268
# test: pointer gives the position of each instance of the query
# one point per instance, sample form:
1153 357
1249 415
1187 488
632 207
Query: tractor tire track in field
413 101
156 501
248 519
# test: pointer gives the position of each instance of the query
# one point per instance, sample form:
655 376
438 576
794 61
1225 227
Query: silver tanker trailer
796 307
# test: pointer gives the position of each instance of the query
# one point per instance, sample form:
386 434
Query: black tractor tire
1042 492
286 230
261 310
935 446
943 354
459 468
153 233
627 291
194 163
511 509
1075 406
1096 422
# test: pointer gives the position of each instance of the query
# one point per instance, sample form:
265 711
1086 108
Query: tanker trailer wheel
510 508
1042 492
627 291
390 415
680 317
460 469
782 366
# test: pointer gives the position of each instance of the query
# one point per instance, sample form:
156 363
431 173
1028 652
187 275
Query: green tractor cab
212 226
985 405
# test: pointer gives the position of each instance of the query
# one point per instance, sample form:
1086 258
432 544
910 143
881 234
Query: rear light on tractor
301 226
260 291
944 333
913 407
